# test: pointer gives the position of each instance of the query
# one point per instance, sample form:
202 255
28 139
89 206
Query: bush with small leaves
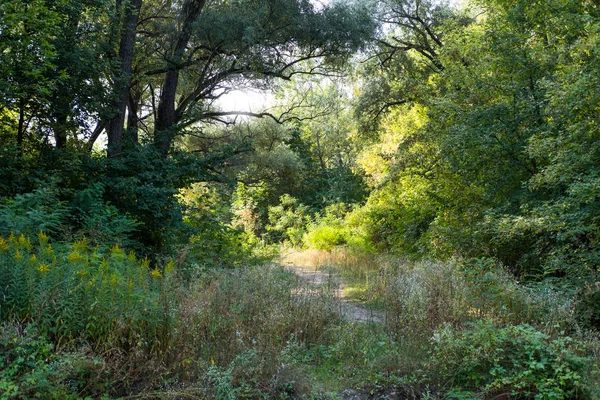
514 361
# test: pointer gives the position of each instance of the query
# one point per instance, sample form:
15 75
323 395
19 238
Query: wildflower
74 257
156 273
33 259
80 245
43 238
50 251
169 267
18 256
3 244
82 273
104 265
43 268
24 242
145 263
117 253
131 256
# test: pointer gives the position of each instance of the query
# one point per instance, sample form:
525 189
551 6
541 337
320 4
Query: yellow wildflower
169 267
131 256
43 268
74 257
145 263
104 265
80 245
3 244
49 251
24 242
43 238
82 273
33 259
117 253
18 256
156 273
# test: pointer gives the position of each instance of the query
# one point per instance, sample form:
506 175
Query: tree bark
123 81
167 115
21 127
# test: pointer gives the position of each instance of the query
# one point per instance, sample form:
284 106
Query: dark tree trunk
60 129
132 117
167 115
123 81
21 127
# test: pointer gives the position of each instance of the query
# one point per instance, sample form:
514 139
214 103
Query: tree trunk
123 81
21 127
167 115
60 128
132 117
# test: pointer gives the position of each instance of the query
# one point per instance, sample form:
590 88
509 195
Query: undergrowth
83 321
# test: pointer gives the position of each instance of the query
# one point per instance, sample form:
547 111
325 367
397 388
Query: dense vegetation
443 159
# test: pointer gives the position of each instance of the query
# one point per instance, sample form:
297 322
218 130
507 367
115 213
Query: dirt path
352 311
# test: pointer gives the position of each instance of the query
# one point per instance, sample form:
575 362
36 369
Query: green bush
31 369
74 291
287 221
516 361
31 212
325 237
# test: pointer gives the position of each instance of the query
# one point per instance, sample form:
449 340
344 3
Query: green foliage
514 361
101 222
587 303
288 220
29 213
76 292
32 369
324 237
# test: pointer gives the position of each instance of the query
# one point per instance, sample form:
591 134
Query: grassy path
351 310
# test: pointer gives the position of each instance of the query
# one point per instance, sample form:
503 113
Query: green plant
73 291
31 368
421 296
29 213
323 237
516 360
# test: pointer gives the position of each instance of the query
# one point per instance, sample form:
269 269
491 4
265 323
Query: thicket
451 175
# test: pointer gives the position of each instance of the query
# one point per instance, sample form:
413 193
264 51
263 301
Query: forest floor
316 277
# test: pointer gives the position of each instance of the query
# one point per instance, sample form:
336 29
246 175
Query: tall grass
154 329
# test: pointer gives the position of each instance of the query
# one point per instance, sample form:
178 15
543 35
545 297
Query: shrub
323 237
30 368
31 212
494 293
73 291
516 361
287 220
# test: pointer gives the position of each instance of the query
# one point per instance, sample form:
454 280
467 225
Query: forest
407 208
